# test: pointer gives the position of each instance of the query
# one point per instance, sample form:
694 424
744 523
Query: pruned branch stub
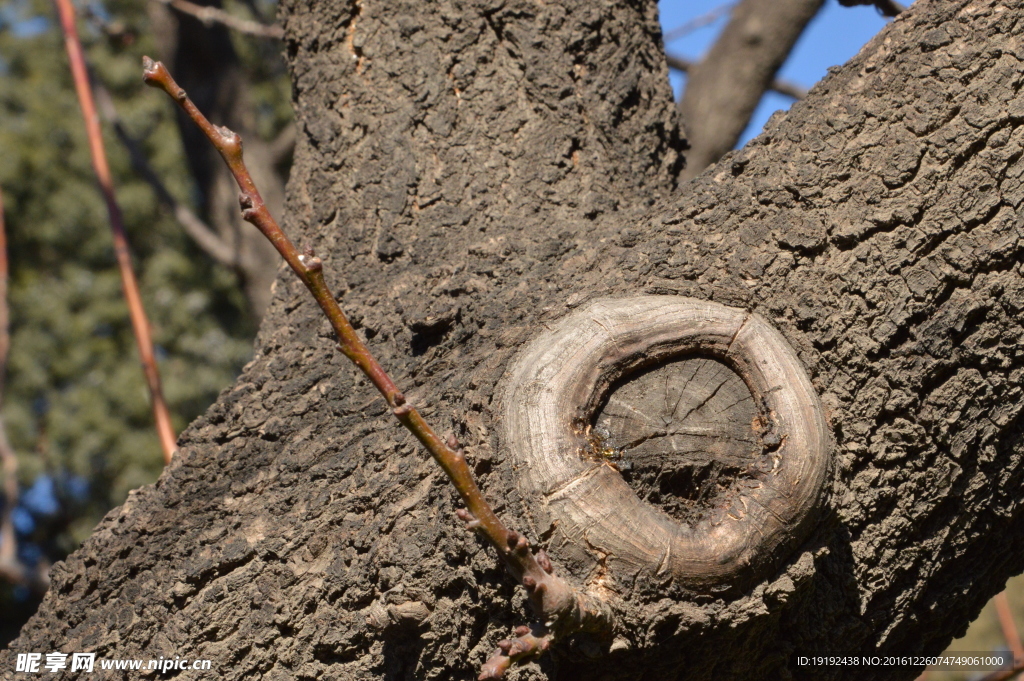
562 377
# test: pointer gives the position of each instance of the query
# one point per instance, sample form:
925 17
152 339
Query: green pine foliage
76 404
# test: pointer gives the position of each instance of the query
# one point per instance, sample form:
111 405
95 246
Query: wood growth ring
559 381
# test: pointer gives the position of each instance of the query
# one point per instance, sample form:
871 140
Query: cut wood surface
679 433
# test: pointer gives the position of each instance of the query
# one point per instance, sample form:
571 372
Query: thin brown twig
562 608
701 21
1005 674
214 15
1008 626
527 645
783 87
140 324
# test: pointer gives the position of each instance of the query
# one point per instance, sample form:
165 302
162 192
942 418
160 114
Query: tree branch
692 25
140 323
1005 674
11 569
282 146
5 318
723 89
201 233
562 608
783 87
887 8
215 15
1008 626
9 463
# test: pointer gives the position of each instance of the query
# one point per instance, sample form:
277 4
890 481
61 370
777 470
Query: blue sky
835 35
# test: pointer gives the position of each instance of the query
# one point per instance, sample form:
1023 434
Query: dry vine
563 610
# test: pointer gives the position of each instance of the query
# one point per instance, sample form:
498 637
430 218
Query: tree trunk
472 173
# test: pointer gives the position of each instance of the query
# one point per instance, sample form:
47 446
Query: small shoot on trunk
563 610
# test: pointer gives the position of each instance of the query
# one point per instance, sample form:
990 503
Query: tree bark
470 174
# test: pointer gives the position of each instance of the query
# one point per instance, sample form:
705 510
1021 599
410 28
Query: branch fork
562 608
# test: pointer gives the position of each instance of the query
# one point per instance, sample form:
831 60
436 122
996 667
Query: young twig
140 324
562 608
214 15
1008 626
527 645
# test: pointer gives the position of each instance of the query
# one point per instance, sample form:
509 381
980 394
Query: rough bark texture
473 170
723 89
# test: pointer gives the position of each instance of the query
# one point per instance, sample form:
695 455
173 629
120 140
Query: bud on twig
553 598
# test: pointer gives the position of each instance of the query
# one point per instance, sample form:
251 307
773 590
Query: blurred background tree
75 402
76 405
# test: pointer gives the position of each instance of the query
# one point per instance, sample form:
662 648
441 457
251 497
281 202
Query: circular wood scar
739 399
